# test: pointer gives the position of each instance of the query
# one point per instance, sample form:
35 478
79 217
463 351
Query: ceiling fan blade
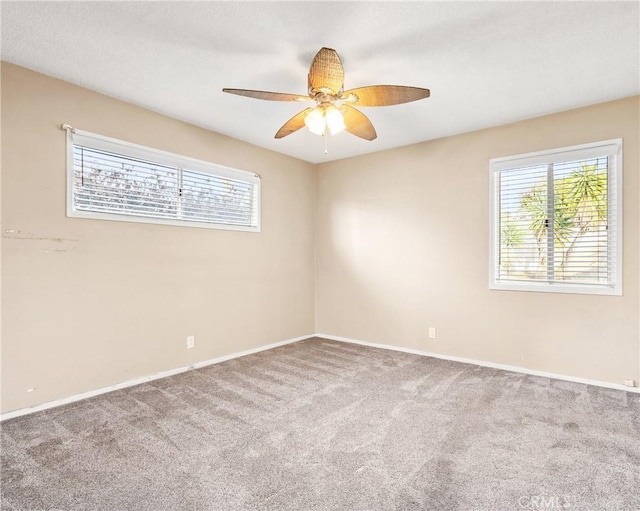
293 124
358 124
269 96
326 72
383 95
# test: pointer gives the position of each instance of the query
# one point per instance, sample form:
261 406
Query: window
556 220
114 180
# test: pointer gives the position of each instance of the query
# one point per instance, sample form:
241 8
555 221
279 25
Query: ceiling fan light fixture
335 121
315 121
325 118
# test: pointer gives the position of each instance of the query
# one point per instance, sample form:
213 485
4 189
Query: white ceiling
486 63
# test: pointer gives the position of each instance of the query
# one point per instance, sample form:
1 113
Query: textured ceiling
486 63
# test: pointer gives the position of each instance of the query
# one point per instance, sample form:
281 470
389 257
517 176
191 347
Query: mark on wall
13 234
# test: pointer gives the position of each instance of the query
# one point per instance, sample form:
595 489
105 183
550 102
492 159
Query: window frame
611 148
150 154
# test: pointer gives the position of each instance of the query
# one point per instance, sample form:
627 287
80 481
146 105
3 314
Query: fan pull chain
326 138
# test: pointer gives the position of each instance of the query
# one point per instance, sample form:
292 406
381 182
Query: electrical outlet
191 342
432 332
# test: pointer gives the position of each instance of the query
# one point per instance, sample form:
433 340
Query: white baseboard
178 370
482 363
144 379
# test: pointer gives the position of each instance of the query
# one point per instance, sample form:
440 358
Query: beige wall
93 303
402 244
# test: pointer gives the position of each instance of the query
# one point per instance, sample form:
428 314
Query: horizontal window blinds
556 223
116 183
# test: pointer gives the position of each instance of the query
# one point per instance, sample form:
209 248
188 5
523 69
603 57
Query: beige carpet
322 425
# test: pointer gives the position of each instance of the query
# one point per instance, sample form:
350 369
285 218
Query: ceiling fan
334 110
